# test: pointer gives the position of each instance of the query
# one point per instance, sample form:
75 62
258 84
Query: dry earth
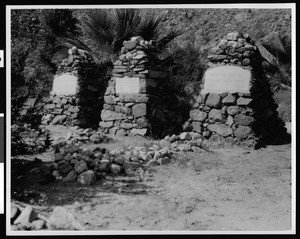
225 189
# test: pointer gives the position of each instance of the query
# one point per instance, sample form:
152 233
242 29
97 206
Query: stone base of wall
224 116
63 110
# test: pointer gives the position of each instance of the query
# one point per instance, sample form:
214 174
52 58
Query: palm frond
149 27
164 42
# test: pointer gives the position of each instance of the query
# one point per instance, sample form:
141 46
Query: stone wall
235 117
82 108
137 99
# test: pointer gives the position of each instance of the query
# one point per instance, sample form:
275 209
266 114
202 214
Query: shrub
283 99
186 72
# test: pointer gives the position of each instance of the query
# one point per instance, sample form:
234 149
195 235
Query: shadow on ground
32 183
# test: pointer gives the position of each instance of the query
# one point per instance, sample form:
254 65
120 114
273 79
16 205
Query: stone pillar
134 98
76 89
235 104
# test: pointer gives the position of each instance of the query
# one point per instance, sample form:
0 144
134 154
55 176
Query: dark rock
164 160
70 177
65 168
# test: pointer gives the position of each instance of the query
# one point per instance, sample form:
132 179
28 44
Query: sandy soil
224 189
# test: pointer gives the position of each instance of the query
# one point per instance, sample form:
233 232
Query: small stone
58 157
65 168
244 101
246 62
95 138
199 142
37 224
56 174
197 126
115 168
86 152
185 136
70 177
130 45
198 115
87 178
59 119
152 163
213 100
26 216
216 115
139 110
61 219
233 110
206 134
104 165
80 166
14 213
242 132
164 160
229 100
119 160
141 132
243 119
167 138
229 121
220 129
174 138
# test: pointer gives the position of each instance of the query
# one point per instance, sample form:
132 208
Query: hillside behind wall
234 117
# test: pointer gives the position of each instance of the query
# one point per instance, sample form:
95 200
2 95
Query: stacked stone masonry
239 118
75 109
139 108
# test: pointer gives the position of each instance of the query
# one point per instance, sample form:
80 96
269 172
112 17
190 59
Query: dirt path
227 189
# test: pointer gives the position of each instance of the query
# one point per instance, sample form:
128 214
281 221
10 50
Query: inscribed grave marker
127 85
227 79
65 84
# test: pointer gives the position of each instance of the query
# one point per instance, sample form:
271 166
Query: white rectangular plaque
127 85
227 79
65 84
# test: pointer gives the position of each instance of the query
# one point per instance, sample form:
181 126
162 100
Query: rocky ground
220 189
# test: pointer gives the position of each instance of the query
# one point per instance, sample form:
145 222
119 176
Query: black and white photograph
150 119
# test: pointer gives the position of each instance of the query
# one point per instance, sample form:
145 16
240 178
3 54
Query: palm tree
107 29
